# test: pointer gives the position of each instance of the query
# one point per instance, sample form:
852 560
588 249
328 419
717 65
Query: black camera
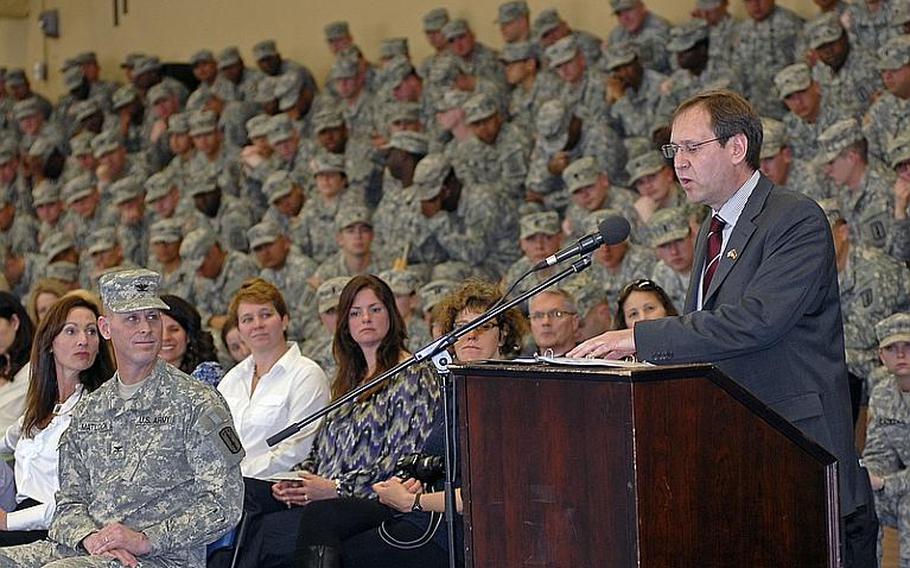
426 468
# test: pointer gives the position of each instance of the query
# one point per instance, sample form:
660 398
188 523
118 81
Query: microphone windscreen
614 229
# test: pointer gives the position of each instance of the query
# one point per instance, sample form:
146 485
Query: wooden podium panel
657 467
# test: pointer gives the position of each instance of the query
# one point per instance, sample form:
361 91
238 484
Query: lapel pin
732 254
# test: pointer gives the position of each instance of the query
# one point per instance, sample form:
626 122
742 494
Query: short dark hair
200 345
730 114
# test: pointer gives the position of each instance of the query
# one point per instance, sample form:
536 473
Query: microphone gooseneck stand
437 351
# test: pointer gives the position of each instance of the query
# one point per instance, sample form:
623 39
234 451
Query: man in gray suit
763 304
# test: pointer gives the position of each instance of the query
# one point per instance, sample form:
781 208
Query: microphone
612 230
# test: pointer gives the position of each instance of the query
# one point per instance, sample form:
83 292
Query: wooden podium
595 467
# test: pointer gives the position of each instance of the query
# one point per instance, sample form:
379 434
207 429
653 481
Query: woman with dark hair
68 360
16 331
237 350
642 300
185 345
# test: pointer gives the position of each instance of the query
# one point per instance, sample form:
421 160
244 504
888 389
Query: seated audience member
343 532
431 294
185 345
539 237
886 452
272 388
358 444
614 265
42 296
673 240
16 331
593 308
404 285
237 350
642 300
68 360
354 235
319 346
554 321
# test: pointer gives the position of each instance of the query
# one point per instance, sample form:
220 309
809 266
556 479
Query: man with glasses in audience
554 321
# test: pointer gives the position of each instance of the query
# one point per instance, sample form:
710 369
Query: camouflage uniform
291 279
870 209
634 114
245 89
637 263
650 42
211 296
723 37
675 284
869 30
22 235
889 115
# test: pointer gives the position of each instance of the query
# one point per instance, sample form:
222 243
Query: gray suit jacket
771 320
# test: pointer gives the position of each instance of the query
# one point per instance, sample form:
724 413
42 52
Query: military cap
202 56
82 110
158 185
73 77
101 240
392 47
581 173
397 69
199 98
451 98
81 143
451 270
336 30
445 69
158 93
8 150
545 22
166 231
792 79
200 184
708 4
617 55
402 282
85 57
280 129
265 90
344 68
435 19
203 122
327 118
562 51
517 51
287 89
106 142
228 56
265 48
898 13
404 112
645 164
77 188
511 11
277 185
350 52
479 107
837 138
25 108
410 142
595 218
899 149
546 222
42 147
622 5
63 271
429 175
552 121
774 138
893 329
434 291
131 290
263 233
56 243
129 62
895 53
329 293
124 96
146 64
327 163
352 215
823 29
47 191
196 245
832 208
178 123
684 36
454 29
126 189
258 126
667 225
16 77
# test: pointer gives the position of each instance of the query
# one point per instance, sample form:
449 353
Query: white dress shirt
12 398
294 388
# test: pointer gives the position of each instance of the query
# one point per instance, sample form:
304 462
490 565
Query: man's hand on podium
608 345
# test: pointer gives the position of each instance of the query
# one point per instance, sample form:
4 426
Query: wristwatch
416 506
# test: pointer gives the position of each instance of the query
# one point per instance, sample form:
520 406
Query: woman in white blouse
272 388
68 359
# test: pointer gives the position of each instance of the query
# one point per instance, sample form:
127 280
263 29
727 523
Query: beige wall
173 29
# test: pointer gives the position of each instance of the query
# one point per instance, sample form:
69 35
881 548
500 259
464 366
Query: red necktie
715 241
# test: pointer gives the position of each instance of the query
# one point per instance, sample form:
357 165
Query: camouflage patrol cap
823 30
25 108
404 112
202 56
287 89
430 174
511 11
545 22
278 185
264 233
47 191
402 282
708 4
434 291
328 294
899 149
73 77
16 77
196 245
202 183
336 30
595 218
146 64
774 138
393 47
258 126
265 90
410 142
158 93
265 48
545 222
581 173
62 270
280 129
893 329
327 163
84 109
832 209
622 5
203 122
479 107
452 98
56 243
131 290
517 51
228 56
645 164
435 20
81 143
837 138
166 231
199 98
895 53
454 29
106 142
327 118
344 68
552 121
84 57
562 51
126 189
77 188
617 55
397 69
898 13
792 79
352 215
42 147
178 123
8 150
684 36
158 185
454 270
667 225
124 96
102 240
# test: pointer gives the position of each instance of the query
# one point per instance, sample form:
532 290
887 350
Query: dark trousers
12 538
859 536
271 535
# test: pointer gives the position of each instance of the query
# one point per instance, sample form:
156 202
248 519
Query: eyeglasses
642 284
479 329
670 150
552 314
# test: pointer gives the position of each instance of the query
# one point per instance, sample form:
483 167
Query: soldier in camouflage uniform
235 81
634 92
431 294
723 32
220 213
290 154
581 85
163 199
212 157
84 214
354 236
540 236
899 157
647 32
654 181
433 22
868 23
888 437
549 28
671 236
781 167
530 85
165 238
115 507
286 198
589 189
114 163
318 347
514 20
132 230
48 208
18 229
355 101
476 58
890 113
615 265
809 112
105 254
333 138
130 110
181 145
404 284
